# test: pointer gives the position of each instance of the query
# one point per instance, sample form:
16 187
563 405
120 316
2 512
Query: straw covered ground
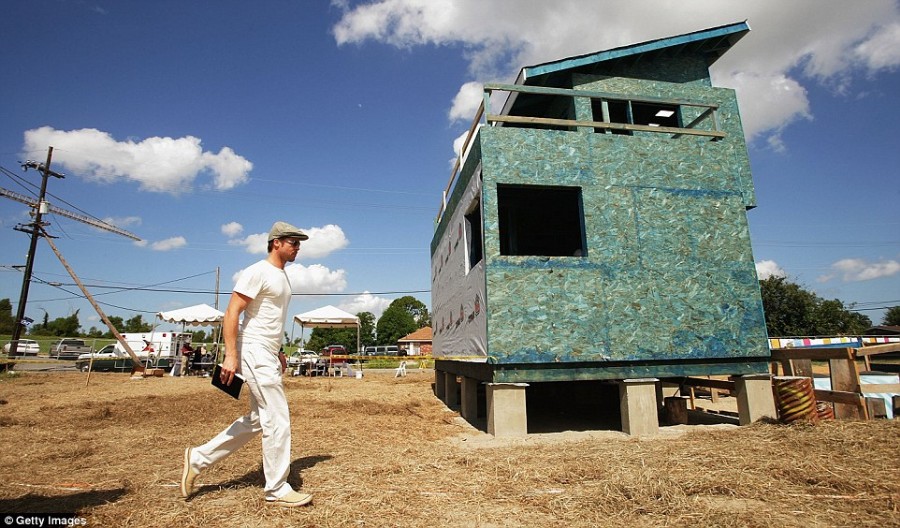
383 451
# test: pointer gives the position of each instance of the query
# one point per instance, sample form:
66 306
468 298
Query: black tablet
233 390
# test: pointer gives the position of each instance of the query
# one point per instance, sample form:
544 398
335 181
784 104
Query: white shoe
292 499
188 474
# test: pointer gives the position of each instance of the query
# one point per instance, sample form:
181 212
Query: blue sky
195 125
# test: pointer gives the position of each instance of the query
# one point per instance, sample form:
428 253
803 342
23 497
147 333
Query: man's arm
236 306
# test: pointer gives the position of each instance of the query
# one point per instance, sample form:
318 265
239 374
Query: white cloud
769 268
366 303
232 229
169 244
457 148
466 102
792 43
882 51
255 244
322 242
768 101
157 164
316 278
311 279
854 270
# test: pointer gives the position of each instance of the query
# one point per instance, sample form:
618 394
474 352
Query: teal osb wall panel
683 70
668 273
728 159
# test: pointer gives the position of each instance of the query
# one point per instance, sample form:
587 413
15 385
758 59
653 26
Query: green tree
7 319
415 308
404 316
832 318
891 317
787 307
116 322
322 337
42 328
198 337
793 311
136 324
59 327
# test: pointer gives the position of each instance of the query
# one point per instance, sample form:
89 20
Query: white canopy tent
328 317
199 315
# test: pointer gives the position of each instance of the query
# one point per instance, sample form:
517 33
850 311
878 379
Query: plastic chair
401 370
337 370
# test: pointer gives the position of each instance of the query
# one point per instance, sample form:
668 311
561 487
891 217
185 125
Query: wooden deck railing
847 392
708 116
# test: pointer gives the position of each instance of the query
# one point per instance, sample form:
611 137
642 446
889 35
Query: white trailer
157 344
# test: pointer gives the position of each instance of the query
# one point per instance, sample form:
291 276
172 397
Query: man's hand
229 367
236 305
283 361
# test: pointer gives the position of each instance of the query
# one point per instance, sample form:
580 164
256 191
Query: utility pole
35 234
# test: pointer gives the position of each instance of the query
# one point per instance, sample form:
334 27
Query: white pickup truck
69 348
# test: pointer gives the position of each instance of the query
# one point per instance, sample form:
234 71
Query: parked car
27 347
302 357
334 350
383 350
69 348
109 357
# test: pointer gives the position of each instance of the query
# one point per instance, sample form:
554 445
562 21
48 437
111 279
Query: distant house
417 343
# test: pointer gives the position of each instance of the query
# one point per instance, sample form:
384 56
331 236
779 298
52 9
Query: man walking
262 294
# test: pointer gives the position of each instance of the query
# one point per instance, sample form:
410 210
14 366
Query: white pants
268 414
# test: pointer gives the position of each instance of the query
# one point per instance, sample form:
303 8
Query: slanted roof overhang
712 43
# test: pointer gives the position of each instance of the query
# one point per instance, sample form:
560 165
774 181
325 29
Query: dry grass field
383 451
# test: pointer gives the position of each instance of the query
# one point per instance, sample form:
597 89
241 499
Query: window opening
633 113
541 221
618 113
474 234
545 106
655 114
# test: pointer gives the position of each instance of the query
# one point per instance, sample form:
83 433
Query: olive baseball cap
284 230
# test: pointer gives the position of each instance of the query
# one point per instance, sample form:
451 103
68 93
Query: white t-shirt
264 316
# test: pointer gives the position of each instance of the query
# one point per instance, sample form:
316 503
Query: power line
208 292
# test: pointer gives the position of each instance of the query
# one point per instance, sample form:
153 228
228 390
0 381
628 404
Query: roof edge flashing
732 32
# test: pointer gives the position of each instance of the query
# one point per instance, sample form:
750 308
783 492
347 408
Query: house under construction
595 231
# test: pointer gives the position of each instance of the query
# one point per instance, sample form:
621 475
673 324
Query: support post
507 414
468 407
637 401
676 410
451 389
754 398
440 385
